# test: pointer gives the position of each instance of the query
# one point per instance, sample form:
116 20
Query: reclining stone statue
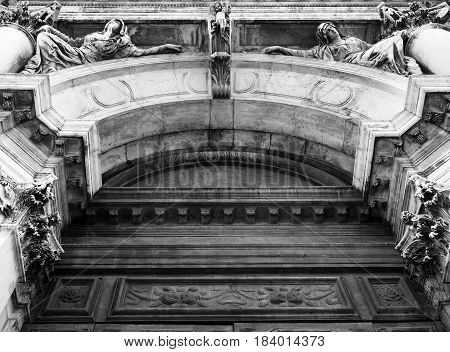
387 54
56 51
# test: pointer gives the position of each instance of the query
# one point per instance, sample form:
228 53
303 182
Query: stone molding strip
183 10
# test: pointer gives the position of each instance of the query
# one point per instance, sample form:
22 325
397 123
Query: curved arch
259 166
158 104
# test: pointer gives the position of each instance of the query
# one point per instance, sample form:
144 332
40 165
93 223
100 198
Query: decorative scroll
220 37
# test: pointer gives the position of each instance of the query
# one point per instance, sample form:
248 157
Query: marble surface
8 265
139 106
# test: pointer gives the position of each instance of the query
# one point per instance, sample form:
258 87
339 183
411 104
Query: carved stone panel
227 300
391 299
74 298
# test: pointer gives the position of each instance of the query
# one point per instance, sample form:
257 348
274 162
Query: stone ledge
199 10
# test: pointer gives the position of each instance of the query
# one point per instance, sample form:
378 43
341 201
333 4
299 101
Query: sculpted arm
133 51
274 50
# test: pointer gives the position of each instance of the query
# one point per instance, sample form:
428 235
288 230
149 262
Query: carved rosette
220 39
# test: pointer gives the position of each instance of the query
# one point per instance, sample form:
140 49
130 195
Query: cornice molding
199 10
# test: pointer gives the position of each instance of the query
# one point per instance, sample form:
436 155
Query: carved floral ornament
220 36
234 296
39 246
425 242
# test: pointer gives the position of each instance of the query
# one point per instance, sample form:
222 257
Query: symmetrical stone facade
160 255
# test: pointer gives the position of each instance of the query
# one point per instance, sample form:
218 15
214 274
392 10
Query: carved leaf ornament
427 244
232 296
38 244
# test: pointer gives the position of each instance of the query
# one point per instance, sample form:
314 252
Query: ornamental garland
36 247
39 247
429 243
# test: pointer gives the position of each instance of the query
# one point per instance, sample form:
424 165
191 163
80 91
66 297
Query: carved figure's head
327 33
218 6
116 27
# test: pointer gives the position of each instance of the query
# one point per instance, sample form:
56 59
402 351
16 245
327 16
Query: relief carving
166 296
383 159
332 95
425 243
298 296
22 115
252 88
233 296
8 194
220 37
8 101
378 204
39 134
390 295
417 15
436 108
417 135
59 147
31 21
39 247
380 184
72 159
75 182
73 295
105 102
